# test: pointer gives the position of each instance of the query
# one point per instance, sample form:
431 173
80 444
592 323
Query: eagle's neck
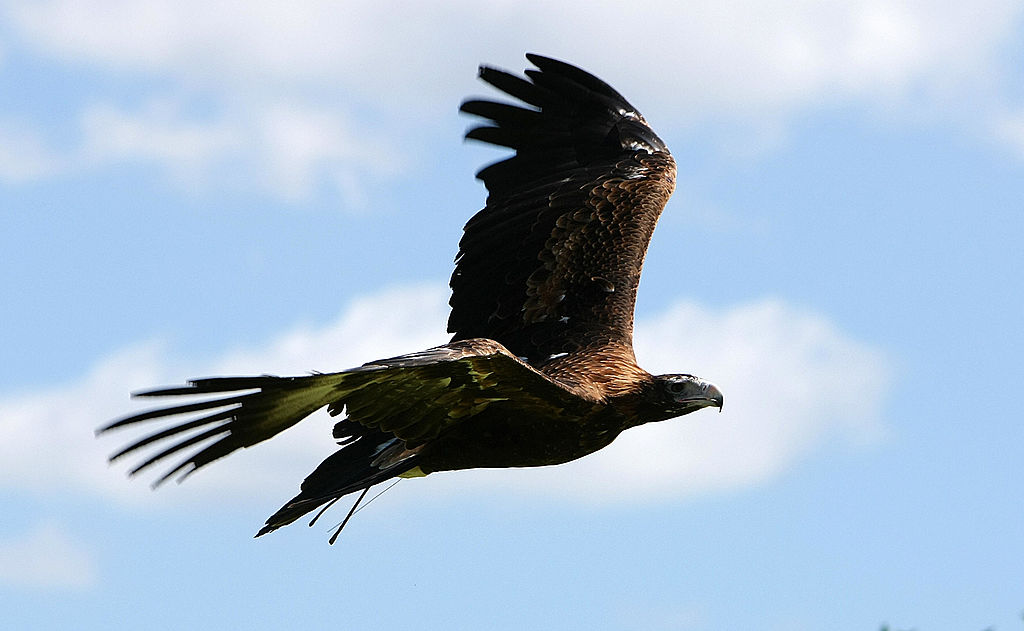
600 374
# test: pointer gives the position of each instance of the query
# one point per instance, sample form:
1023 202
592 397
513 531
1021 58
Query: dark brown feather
551 264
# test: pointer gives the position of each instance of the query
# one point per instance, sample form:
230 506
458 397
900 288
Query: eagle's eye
675 387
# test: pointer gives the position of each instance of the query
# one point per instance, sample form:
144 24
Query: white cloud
792 382
288 149
737 54
302 81
49 433
769 60
1008 129
303 145
23 154
260 44
159 134
46 557
206 39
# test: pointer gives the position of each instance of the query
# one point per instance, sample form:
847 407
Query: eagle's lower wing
551 264
412 398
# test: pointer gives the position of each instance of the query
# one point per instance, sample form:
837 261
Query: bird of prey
540 369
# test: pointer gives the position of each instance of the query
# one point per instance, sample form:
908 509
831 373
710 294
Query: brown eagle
540 370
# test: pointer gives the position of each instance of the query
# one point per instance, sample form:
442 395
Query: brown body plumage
540 369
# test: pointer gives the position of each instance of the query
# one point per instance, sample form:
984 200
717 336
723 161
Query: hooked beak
708 395
715 396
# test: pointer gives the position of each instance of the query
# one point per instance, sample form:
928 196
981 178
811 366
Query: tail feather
350 469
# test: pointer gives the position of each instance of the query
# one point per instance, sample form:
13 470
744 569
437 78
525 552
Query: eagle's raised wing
552 263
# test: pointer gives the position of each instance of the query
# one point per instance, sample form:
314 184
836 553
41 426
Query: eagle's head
676 395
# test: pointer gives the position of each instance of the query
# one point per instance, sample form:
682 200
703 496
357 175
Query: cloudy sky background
199 188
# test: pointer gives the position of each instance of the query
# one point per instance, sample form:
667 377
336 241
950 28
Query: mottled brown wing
551 264
413 398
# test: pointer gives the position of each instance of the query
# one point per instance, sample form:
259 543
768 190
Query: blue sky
196 188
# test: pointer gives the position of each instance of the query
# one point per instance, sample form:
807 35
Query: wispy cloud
24 156
792 382
157 133
46 557
302 145
296 86
289 149
737 54
1008 130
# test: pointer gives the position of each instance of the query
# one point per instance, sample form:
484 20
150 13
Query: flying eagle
540 369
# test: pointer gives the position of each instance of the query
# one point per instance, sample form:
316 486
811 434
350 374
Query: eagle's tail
364 460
